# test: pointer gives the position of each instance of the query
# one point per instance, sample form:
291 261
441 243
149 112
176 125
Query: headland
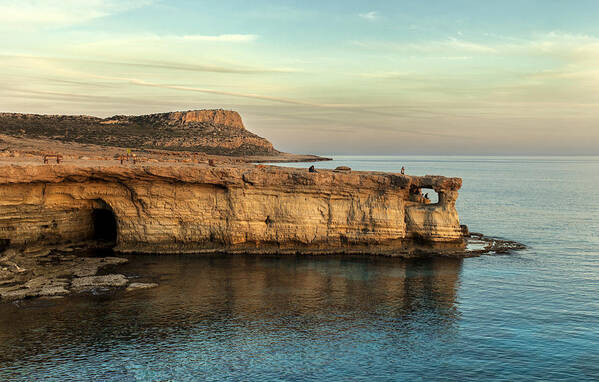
64 191
203 207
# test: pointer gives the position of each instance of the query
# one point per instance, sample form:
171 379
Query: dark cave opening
105 228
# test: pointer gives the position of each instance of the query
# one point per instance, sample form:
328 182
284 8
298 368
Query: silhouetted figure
312 169
403 170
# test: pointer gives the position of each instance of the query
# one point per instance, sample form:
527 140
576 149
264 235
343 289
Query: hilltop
216 132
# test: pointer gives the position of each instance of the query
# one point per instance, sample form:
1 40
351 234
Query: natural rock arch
424 194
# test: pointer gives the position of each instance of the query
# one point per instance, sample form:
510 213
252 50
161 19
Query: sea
531 315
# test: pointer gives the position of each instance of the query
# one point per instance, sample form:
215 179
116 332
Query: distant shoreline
31 149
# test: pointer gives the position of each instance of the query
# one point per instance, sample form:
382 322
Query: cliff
218 132
197 208
189 118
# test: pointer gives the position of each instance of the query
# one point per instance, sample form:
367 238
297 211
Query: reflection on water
533 315
223 316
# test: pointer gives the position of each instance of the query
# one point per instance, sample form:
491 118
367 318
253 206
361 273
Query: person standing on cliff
403 170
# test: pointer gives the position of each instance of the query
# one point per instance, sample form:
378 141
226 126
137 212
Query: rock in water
136 286
91 282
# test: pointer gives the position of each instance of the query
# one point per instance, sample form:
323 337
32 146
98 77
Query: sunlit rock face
175 209
218 117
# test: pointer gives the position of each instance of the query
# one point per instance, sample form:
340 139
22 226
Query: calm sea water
533 315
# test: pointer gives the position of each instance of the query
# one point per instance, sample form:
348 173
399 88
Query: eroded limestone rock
230 208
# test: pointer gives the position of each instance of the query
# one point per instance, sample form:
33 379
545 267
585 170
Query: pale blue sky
375 77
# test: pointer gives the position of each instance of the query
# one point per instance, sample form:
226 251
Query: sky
324 77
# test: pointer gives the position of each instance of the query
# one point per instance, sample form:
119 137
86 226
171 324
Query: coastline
201 205
32 150
92 268
46 260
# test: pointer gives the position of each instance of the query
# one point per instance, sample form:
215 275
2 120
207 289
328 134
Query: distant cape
218 132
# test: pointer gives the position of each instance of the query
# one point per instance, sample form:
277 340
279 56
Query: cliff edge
235 208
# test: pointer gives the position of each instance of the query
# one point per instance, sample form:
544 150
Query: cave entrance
104 225
4 244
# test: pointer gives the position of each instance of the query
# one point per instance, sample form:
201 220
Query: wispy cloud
32 14
548 44
215 38
384 75
168 65
150 39
370 16
431 47
139 82
467 46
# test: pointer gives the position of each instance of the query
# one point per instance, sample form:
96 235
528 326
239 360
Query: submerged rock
37 287
90 266
50 272
91 282
136 286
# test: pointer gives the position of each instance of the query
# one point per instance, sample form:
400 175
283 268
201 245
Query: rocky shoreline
76 269
210 208
54 272
189 182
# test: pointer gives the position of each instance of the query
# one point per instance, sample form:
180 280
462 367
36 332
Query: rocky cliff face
218 132
168 209
218 117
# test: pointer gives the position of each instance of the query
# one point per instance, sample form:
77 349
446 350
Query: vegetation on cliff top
218 132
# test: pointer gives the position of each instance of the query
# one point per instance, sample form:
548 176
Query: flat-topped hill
219 132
